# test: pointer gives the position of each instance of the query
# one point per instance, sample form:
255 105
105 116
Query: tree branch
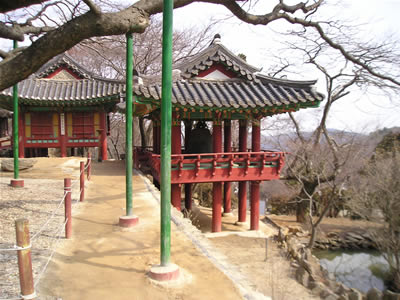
64 37
93 7
7 6
9 32
281 12
297 127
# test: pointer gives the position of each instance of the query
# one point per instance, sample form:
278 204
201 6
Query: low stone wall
347 240
309 272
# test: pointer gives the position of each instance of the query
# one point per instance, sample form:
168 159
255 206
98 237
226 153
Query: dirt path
103 261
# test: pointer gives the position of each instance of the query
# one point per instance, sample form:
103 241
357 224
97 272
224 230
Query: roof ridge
302 83
213 53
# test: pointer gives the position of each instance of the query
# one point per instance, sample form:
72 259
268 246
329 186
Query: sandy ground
39 202
104 261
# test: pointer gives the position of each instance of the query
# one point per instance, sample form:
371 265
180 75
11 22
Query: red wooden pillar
176 149
188 196
255 205
103 136
227 148
21 134
64 134
255 185
217 186
242 184
188 186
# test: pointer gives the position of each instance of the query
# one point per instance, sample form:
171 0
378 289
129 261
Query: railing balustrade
215 167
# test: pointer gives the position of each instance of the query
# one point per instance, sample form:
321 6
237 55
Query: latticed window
83 124
41 125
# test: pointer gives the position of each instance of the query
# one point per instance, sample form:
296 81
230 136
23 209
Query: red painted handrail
231 160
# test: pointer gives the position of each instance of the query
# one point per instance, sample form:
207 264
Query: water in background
362 270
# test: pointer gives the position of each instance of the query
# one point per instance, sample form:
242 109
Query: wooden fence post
89 167
67 202
82 181
24 258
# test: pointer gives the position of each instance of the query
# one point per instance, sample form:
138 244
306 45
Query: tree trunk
303 200
142 133
301 209
313 234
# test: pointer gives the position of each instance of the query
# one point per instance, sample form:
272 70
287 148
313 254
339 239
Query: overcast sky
360 113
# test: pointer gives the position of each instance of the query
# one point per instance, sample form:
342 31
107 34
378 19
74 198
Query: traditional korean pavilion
218 86
63 106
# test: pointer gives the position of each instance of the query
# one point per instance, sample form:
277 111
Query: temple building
64 106
216 86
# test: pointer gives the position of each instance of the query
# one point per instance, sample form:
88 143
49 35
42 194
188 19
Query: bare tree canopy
321 161
73 21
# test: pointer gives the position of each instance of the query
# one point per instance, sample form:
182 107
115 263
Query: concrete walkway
104 261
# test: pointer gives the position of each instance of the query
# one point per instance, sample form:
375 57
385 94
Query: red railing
215 167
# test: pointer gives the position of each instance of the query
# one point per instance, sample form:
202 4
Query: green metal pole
166 120
128 124
15 125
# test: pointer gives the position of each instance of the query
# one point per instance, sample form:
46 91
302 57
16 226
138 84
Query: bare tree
117 136
56 26
105 56
320 159
376 197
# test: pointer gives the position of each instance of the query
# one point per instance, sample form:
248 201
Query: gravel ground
40 201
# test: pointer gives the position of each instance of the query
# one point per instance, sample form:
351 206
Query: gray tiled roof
216 53
249 90
43 91
237 93
262 92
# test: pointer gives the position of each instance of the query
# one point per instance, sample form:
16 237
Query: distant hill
380 133
276 142
388 144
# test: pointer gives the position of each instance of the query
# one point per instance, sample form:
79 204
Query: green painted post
15 125
166 120
128 124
